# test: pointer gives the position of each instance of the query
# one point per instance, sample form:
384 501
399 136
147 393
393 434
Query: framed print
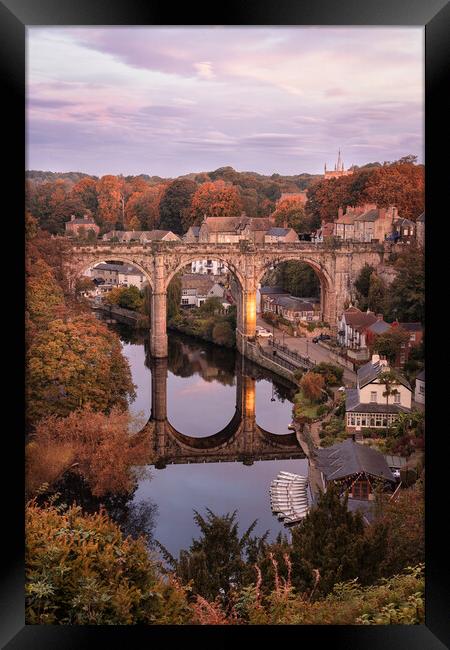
227 287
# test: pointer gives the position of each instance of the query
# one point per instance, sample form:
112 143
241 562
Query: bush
332 373
80 570
311 327
222 334
322 409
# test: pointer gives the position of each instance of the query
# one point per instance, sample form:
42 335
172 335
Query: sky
175 100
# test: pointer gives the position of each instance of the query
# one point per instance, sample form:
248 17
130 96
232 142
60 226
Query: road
305 347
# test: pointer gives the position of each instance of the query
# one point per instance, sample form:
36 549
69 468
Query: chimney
285 224
375 359
379 316
340 212
382 213
72 217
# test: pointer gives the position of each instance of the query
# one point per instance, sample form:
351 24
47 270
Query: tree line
147 202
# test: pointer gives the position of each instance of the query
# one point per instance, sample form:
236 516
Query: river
202 385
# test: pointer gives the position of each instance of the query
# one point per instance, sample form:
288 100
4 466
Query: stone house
158 235
357 331
366 407
420 229
404 231
229 230
415 331
192 235
117 275
291 308
275 235
76 226
196 288
263 293
325 231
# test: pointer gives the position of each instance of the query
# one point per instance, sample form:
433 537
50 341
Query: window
360 489
422 390
412 337
373 396
184 301
397 398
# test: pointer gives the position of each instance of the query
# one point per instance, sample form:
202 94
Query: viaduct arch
337 267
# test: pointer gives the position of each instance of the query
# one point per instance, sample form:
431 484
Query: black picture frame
434 16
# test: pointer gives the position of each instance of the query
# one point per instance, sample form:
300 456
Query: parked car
322 337
261 331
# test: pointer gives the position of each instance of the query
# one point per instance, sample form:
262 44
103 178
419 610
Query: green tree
216 561
332 540
389 343
376 297
362 282
390 381
407 292
223 334
332 374
211 305
175 205
174 297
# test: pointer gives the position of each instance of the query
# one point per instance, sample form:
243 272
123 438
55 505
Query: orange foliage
99 447
313 385
110 190
218 199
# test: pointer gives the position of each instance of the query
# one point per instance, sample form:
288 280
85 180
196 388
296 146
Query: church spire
339 166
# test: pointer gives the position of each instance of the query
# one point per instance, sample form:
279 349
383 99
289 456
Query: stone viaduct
241 440
337 266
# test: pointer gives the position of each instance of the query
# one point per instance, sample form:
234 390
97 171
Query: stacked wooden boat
289 497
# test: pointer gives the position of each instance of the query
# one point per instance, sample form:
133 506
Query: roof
82 221
195 230
236 224
364 506
379 327
411 327
278 232
296 304
357 318
370 371
348 458
403 222
371 215
421 217
353 405
126 269
395 462
347 218
421 375
203 283
152 235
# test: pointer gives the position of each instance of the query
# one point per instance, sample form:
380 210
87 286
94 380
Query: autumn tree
401 184
175 205
96 446
86 191
80 570
111 201
217 199
143 205
291 213
313 384
74 362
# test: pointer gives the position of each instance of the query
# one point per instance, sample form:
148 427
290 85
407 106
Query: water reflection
205 405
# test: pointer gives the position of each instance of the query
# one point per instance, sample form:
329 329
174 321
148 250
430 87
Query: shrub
80 570
322 409
222 334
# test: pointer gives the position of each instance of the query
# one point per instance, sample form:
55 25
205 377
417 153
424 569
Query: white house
419 391
367 406
197 287
209 267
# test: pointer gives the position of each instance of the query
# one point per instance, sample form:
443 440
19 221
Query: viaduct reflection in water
241 440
